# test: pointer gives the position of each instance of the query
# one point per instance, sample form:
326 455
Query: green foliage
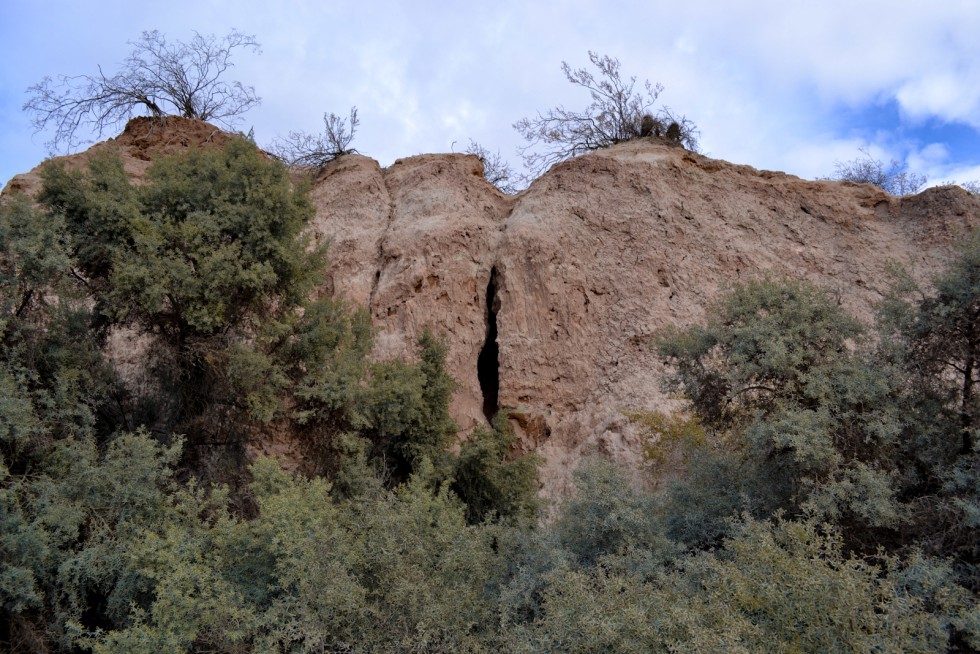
33 257
664 434
940 335
407 408
182 558
489 481
210 241
608 517
774 372
205 256
716 484
337 341
67 528
764 341
417 552
793 582
824 494
933 341
310 575
785 586
51 375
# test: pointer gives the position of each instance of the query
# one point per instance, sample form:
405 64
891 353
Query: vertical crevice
487 364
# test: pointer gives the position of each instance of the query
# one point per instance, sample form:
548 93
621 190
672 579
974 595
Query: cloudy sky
779 85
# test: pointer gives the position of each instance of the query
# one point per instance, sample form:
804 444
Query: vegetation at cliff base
819 492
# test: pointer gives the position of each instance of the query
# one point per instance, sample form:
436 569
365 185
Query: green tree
207 258
407 407
493 482
773 372
940 333
932 336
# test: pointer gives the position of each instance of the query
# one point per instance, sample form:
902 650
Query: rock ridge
585 267
595 258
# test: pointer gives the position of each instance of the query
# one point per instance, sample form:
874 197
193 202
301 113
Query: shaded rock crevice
488 362
381 242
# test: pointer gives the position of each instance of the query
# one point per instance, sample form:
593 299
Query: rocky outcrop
143 139
574 276
588 264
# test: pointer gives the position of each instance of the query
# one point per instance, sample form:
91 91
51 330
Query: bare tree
973 186
495 169
317 150
158 78
895 178
618 112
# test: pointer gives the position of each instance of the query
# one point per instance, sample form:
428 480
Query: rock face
576 274
583 268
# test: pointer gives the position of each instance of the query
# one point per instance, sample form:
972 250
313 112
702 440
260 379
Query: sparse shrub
317 150
894 178
495 169
973 186
616 114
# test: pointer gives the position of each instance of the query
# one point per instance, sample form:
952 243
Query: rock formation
576 274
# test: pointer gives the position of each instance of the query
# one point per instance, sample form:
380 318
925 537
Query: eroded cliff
575 275
548 300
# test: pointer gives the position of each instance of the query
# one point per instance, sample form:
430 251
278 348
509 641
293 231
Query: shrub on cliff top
616 114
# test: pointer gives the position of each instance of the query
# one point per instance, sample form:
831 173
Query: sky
778 85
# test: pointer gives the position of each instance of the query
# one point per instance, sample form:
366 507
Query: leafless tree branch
894 178
618 112
317 150
158 78
495 169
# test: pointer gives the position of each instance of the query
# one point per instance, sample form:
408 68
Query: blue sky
778 85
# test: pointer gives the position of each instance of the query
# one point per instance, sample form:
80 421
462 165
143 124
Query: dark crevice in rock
487 364
381 241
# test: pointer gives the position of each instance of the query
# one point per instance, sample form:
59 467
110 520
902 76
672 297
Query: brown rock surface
597 256
143 139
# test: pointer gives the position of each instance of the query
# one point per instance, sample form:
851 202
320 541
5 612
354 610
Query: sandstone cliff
589 263
576 274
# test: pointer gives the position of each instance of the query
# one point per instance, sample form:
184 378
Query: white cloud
764 79
951 96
